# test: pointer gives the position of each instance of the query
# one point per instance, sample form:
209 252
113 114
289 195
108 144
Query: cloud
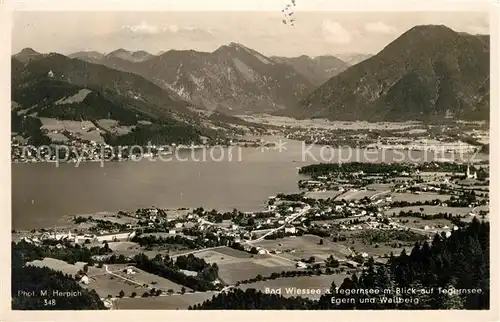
334 32
146 28
380 28
142 28
478 30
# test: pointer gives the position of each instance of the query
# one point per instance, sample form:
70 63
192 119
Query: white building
471 175
84 279
290 230
301 265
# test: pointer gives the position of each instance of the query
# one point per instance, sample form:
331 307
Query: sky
314 33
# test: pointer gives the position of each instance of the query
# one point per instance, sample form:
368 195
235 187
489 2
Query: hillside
428 73
317 70
353 58
57 87
90 56
26 54
232 79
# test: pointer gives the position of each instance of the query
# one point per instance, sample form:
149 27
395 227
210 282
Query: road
288 220
195 251
123 278
379 193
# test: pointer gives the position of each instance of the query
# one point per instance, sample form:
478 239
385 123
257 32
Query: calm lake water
43 193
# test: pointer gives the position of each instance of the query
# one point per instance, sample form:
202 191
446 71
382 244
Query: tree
321 241
134 294
183 290
121 294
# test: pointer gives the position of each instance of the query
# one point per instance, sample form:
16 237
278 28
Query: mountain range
428 73
234 78
318 69
58 87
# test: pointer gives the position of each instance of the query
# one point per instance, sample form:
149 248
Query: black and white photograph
287 159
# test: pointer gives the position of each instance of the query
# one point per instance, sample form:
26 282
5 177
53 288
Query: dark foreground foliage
459 263
41 288
38 280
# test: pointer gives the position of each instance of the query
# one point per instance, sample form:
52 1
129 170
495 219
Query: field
414 222
171 302
57 137
154 281
232 273
113 217
113 127
359 194
305 247
92 136
382 250
84 129
104 283
234 252
326 124
66 268
412 197
107 284
125 247
176 213
322 282
128 248
322 194
430 210
379 187
235 265
78 97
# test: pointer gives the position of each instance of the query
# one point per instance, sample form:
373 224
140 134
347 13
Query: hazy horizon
314 33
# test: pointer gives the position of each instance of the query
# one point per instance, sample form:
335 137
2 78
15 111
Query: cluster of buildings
79 238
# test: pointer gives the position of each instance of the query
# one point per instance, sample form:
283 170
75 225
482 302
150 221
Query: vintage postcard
261 156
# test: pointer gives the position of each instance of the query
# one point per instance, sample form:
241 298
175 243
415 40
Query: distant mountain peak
133 56
118 51
431 30
28 51
235 44
27 54
231 47
421 75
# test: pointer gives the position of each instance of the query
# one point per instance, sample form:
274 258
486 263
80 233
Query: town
346 216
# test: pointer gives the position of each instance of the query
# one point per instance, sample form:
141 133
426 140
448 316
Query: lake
42 193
